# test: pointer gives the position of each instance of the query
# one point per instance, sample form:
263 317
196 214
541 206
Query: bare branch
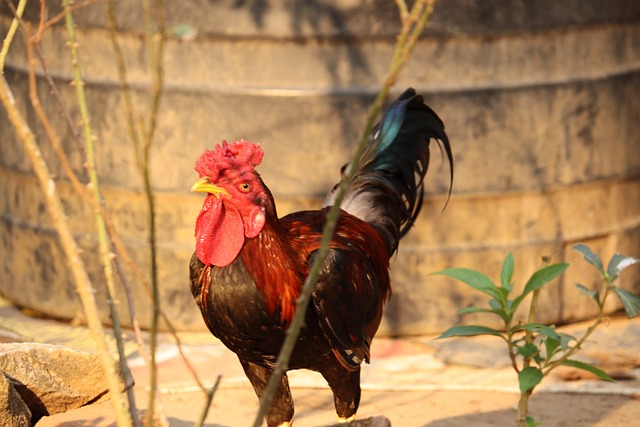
411 28
58 217
103 236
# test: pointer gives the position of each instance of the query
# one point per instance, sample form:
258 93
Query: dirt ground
412 381
236 406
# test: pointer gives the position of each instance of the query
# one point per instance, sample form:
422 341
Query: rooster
249 265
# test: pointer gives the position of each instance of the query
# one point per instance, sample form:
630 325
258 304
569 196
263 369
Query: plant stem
6 43
76 184
523 408
207 403
155 45
411 29
523 402
528 338
125 90
106 254
32 44
509 339
578 345
69 246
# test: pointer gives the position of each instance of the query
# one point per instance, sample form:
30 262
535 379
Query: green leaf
589 368
589 256
536 281
538 328
530 422
494 304
551 344
507 272
618 263
516 303
595 295
528 350
630 301
474 279
565 339
503 294
528 378
544 276
468 331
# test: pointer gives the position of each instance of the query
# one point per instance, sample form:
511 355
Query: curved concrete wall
539 99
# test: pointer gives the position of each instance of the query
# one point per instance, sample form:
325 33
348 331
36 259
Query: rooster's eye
245 187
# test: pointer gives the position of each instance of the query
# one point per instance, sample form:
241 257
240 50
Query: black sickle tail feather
387 190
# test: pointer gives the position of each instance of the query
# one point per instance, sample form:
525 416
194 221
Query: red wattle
219 233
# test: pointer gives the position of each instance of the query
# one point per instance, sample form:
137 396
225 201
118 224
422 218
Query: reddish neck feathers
277 264
277 259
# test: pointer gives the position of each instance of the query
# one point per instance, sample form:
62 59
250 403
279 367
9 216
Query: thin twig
77 138
155 36
125 89
79 187
117 244
580 342
11 33
83 283
32 44
123 253
44 120
412 27
207 403
60 16
35 41
70 248
402 8
156 40
104 243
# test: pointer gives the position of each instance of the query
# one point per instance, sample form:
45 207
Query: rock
378 421
52 379
13 411
480 351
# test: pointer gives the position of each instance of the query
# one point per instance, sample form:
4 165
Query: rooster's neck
277 265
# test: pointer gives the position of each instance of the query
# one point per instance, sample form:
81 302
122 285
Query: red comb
238 155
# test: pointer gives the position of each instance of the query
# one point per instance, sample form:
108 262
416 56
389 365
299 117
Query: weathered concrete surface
540 105
52 379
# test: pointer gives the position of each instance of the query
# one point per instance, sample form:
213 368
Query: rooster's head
234 208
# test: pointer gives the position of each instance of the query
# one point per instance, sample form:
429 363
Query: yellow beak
204 186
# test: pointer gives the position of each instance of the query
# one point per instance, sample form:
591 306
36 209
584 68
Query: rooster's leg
281 411
346 390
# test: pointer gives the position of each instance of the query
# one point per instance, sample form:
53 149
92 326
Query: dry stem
412 27
104 243
54 204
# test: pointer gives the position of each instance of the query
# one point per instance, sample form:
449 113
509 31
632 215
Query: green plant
536 349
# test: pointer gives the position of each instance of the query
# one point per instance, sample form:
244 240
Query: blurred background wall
540 100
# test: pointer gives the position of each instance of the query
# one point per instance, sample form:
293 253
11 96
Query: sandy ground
438 408
412 381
